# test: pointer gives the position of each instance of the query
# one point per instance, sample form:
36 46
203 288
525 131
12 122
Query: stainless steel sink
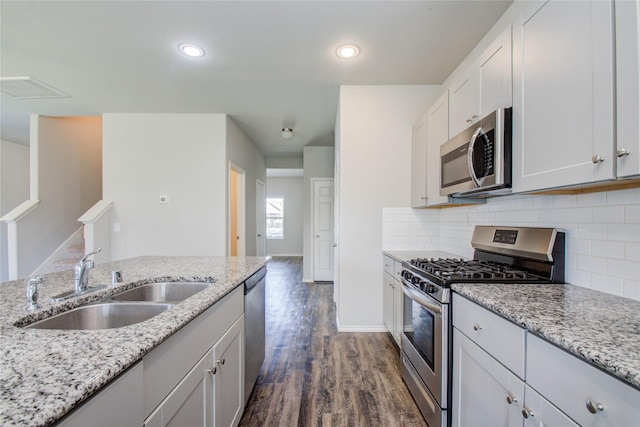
162 292
102 316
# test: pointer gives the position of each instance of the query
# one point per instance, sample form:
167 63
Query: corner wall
375 152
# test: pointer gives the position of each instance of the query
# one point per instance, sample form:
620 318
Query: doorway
323 224
261 218
237 211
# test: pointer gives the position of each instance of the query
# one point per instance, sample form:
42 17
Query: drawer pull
511 398
594 408
220 361
213 370
477 327
527 413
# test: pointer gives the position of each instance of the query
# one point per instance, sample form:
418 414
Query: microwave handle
472 146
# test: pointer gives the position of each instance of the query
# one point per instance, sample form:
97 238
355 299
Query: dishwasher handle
255 279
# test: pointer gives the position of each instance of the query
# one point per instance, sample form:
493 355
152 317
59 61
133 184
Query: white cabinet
392 297
437 134
586 394
186 405
226 366
419 164
539 412
485 393
484 87
628 87
563 95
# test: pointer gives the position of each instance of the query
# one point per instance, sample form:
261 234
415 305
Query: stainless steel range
502 255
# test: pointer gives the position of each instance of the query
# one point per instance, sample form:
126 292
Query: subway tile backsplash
603 232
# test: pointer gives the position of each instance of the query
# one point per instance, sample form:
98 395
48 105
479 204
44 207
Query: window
275 218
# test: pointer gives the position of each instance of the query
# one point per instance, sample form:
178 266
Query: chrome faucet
32 293
82 272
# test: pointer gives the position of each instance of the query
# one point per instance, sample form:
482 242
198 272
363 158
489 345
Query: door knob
259 235
335 244
317 236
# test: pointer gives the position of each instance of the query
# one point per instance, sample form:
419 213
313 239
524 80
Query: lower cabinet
538 411
392 298
485 393
211 393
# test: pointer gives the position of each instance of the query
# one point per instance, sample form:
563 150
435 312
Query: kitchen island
44 374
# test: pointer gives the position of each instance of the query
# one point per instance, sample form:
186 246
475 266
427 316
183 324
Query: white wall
244 154
292 191
602 230
375 152
181 156
14 189
318 162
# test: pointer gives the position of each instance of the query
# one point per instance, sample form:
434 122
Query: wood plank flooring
314 376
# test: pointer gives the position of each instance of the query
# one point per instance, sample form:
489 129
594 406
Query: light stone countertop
46 373
599 328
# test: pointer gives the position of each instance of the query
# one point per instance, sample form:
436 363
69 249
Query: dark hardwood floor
314 376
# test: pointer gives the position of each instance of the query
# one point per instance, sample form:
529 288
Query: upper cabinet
563 95
419 164
628 87
482 88
437 134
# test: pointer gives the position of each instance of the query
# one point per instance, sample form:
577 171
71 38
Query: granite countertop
46 373
599 328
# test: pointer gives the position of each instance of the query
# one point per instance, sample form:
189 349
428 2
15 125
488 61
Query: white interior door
261 218
323 221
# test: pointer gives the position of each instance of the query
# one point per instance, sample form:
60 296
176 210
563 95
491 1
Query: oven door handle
414 295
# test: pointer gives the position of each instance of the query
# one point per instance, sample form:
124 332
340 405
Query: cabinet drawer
497 336
389 265
569 383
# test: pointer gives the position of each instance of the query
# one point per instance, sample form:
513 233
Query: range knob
430 289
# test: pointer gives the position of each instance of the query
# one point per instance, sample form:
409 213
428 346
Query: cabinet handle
477 327
511 398
423 197
220 361
526 413
621 152
596 158
594 408
213 370
475 116
469 120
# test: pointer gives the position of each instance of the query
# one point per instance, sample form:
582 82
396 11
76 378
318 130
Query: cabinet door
419 164
185 405
398 297
463 102
437 134
563 95
227 365
628 87
387 302
482 388
538 412
494 75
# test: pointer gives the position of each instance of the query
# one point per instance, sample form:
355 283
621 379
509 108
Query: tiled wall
603 232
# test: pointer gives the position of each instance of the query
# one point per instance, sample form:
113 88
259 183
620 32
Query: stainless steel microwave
477 161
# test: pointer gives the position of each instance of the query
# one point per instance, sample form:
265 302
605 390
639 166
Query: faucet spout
82 272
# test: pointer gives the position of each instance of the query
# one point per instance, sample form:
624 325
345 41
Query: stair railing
97 230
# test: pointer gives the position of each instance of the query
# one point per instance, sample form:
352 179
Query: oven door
425 340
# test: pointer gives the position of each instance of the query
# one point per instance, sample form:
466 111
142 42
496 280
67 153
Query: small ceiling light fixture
287 133
191 50
347 51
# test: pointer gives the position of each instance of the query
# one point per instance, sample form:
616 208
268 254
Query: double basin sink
126 308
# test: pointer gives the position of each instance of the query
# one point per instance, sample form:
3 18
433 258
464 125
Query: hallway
313 376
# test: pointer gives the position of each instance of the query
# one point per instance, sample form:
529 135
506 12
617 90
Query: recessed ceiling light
191 50
348 51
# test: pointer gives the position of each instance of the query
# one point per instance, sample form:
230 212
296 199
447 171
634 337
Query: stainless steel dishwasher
254 330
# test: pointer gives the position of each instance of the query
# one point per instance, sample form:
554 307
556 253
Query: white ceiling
268 64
